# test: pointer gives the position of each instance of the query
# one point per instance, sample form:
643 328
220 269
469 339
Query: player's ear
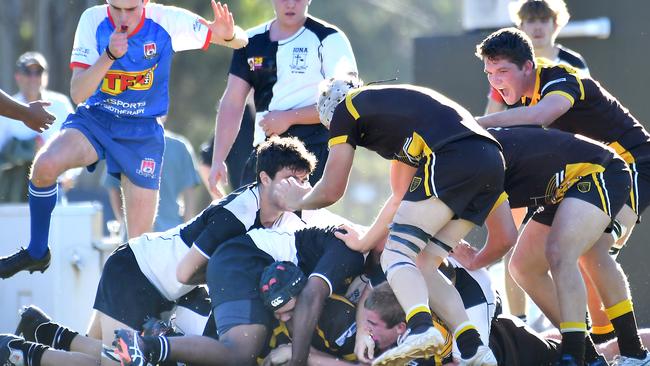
265 179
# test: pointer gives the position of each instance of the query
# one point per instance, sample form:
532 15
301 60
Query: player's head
126 13
31 74
540 19
508 60
385 319
284 155
291 13
333 91
280 283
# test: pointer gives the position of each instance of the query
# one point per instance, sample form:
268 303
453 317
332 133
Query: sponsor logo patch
255 63
147 167
150 50
116 81
299 59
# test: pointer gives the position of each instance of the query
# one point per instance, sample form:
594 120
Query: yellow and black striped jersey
594 113
541 164
335 332
401 122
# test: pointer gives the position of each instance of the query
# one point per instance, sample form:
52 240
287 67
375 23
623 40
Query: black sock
420 322
156 348
55 336
468 342
629 342
591 354
32 352
573 343
602 338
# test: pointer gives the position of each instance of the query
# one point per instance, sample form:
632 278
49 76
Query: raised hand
36 117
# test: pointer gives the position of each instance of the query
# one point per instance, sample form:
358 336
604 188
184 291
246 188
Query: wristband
234 34
110 55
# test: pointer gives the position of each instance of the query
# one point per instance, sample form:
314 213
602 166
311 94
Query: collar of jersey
137 29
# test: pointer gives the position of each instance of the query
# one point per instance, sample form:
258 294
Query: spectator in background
285 60
178 182
542 21
18 142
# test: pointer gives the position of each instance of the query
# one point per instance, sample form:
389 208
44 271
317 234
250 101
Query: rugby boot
31 317
130 348
22 261
482 357
413 346
9 354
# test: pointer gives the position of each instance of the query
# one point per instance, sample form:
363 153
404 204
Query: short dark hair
511 44
278 153
383 301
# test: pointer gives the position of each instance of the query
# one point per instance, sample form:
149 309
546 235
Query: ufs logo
116 81
299 59
150 50
147 167
255 63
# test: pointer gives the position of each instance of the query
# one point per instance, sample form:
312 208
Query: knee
45 170
515 267
555 257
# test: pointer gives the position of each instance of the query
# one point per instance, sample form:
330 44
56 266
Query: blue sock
41 205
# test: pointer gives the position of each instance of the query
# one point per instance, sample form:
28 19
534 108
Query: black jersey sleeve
343 128
562 80
221 226
239 65
338 265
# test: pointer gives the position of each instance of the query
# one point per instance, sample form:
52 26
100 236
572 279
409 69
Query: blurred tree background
381 33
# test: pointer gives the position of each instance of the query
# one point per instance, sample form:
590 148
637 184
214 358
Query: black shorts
608 191
467 175
515 344
233 277
640 193
125 294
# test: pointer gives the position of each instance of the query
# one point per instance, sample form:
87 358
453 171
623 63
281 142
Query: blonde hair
541 9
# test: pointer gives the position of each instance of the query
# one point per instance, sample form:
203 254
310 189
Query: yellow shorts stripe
502 198
427 173
619 309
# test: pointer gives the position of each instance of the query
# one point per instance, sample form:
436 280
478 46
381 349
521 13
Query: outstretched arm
33 114
309 305
502 235
549 108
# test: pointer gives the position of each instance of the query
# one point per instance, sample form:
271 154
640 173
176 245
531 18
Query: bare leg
140 208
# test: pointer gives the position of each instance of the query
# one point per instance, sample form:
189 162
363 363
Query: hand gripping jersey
594 112
137 83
